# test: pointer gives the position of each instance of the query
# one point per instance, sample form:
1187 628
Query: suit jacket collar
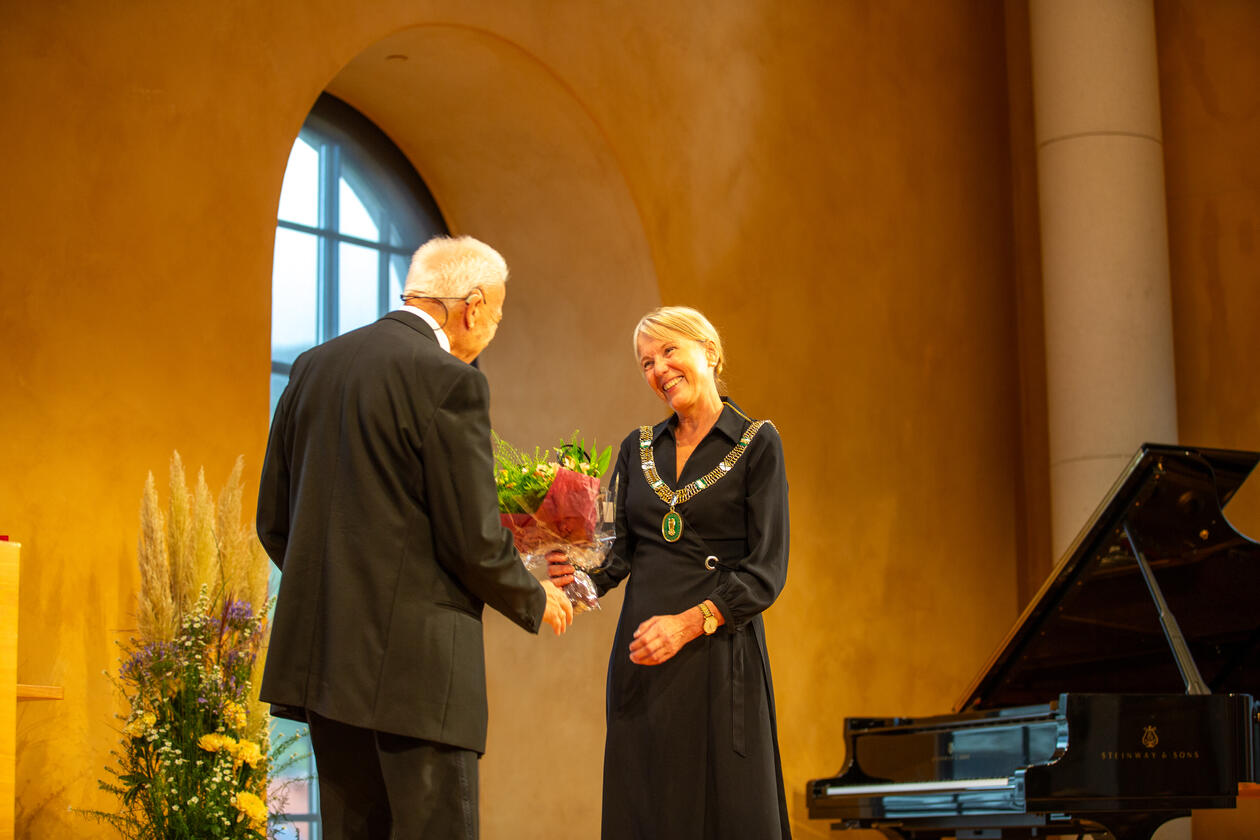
416 323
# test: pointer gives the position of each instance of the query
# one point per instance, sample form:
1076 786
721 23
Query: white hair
452 267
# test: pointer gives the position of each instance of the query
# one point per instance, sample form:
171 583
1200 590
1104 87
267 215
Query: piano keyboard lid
1094 625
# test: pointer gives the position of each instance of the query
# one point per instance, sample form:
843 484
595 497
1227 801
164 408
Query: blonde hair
453 267
681 322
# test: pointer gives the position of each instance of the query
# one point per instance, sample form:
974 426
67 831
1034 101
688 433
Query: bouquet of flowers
551 501
195 757
193 762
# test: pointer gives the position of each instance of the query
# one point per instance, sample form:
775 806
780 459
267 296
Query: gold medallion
671 526
672 523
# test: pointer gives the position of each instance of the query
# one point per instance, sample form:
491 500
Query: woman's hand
662 636
559 569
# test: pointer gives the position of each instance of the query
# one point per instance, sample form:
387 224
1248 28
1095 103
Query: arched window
352 211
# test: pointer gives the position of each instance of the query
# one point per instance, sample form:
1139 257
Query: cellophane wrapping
570 520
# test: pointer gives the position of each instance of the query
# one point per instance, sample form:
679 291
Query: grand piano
1122 698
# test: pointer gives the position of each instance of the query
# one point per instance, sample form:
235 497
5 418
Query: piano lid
1094 626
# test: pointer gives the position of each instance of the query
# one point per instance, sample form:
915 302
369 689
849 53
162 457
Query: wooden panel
40 692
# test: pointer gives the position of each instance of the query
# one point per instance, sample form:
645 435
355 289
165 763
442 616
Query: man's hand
662 636
559 612
559 569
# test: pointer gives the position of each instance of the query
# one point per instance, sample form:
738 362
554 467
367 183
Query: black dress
692 750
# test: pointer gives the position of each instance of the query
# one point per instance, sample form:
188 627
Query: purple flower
237 614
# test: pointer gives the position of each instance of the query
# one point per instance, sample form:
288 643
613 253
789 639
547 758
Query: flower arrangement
195 758
551 501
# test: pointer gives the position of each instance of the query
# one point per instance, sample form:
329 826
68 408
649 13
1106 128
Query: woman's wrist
693 622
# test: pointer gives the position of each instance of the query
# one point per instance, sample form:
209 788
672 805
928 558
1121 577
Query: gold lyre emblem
1149 738
672 526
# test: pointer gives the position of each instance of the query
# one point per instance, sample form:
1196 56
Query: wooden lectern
10 691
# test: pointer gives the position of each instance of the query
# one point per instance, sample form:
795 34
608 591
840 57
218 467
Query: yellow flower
252 808
215 741
234 714
248 753
140 725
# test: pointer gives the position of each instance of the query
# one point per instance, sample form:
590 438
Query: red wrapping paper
566 516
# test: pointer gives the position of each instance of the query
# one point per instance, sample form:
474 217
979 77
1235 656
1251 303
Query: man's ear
472 309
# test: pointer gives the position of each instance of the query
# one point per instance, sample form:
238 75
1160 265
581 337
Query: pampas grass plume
179 532
157 609
205 549
233 538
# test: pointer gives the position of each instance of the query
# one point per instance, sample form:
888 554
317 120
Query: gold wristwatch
710 621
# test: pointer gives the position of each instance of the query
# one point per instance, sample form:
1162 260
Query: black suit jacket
378 503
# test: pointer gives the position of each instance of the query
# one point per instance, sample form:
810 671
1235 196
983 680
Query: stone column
1109 348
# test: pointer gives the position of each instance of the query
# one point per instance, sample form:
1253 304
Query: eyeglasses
446 313
422 296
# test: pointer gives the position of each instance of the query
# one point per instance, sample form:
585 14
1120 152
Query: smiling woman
702 538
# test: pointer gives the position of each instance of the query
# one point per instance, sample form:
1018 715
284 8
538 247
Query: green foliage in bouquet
522 479
195 758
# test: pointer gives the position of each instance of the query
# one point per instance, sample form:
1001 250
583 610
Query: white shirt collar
442 340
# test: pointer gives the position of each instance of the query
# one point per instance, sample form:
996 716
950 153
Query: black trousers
379 786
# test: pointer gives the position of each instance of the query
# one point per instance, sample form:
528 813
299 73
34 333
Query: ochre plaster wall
828 181
1211 118
1210 105
141 165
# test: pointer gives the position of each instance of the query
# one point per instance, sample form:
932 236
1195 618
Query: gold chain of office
672 524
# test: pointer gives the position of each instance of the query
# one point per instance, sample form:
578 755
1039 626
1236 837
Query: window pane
294 287
397 277
299 196
296 831
358 282
355 220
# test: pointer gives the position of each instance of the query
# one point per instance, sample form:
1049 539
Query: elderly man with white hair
377 502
